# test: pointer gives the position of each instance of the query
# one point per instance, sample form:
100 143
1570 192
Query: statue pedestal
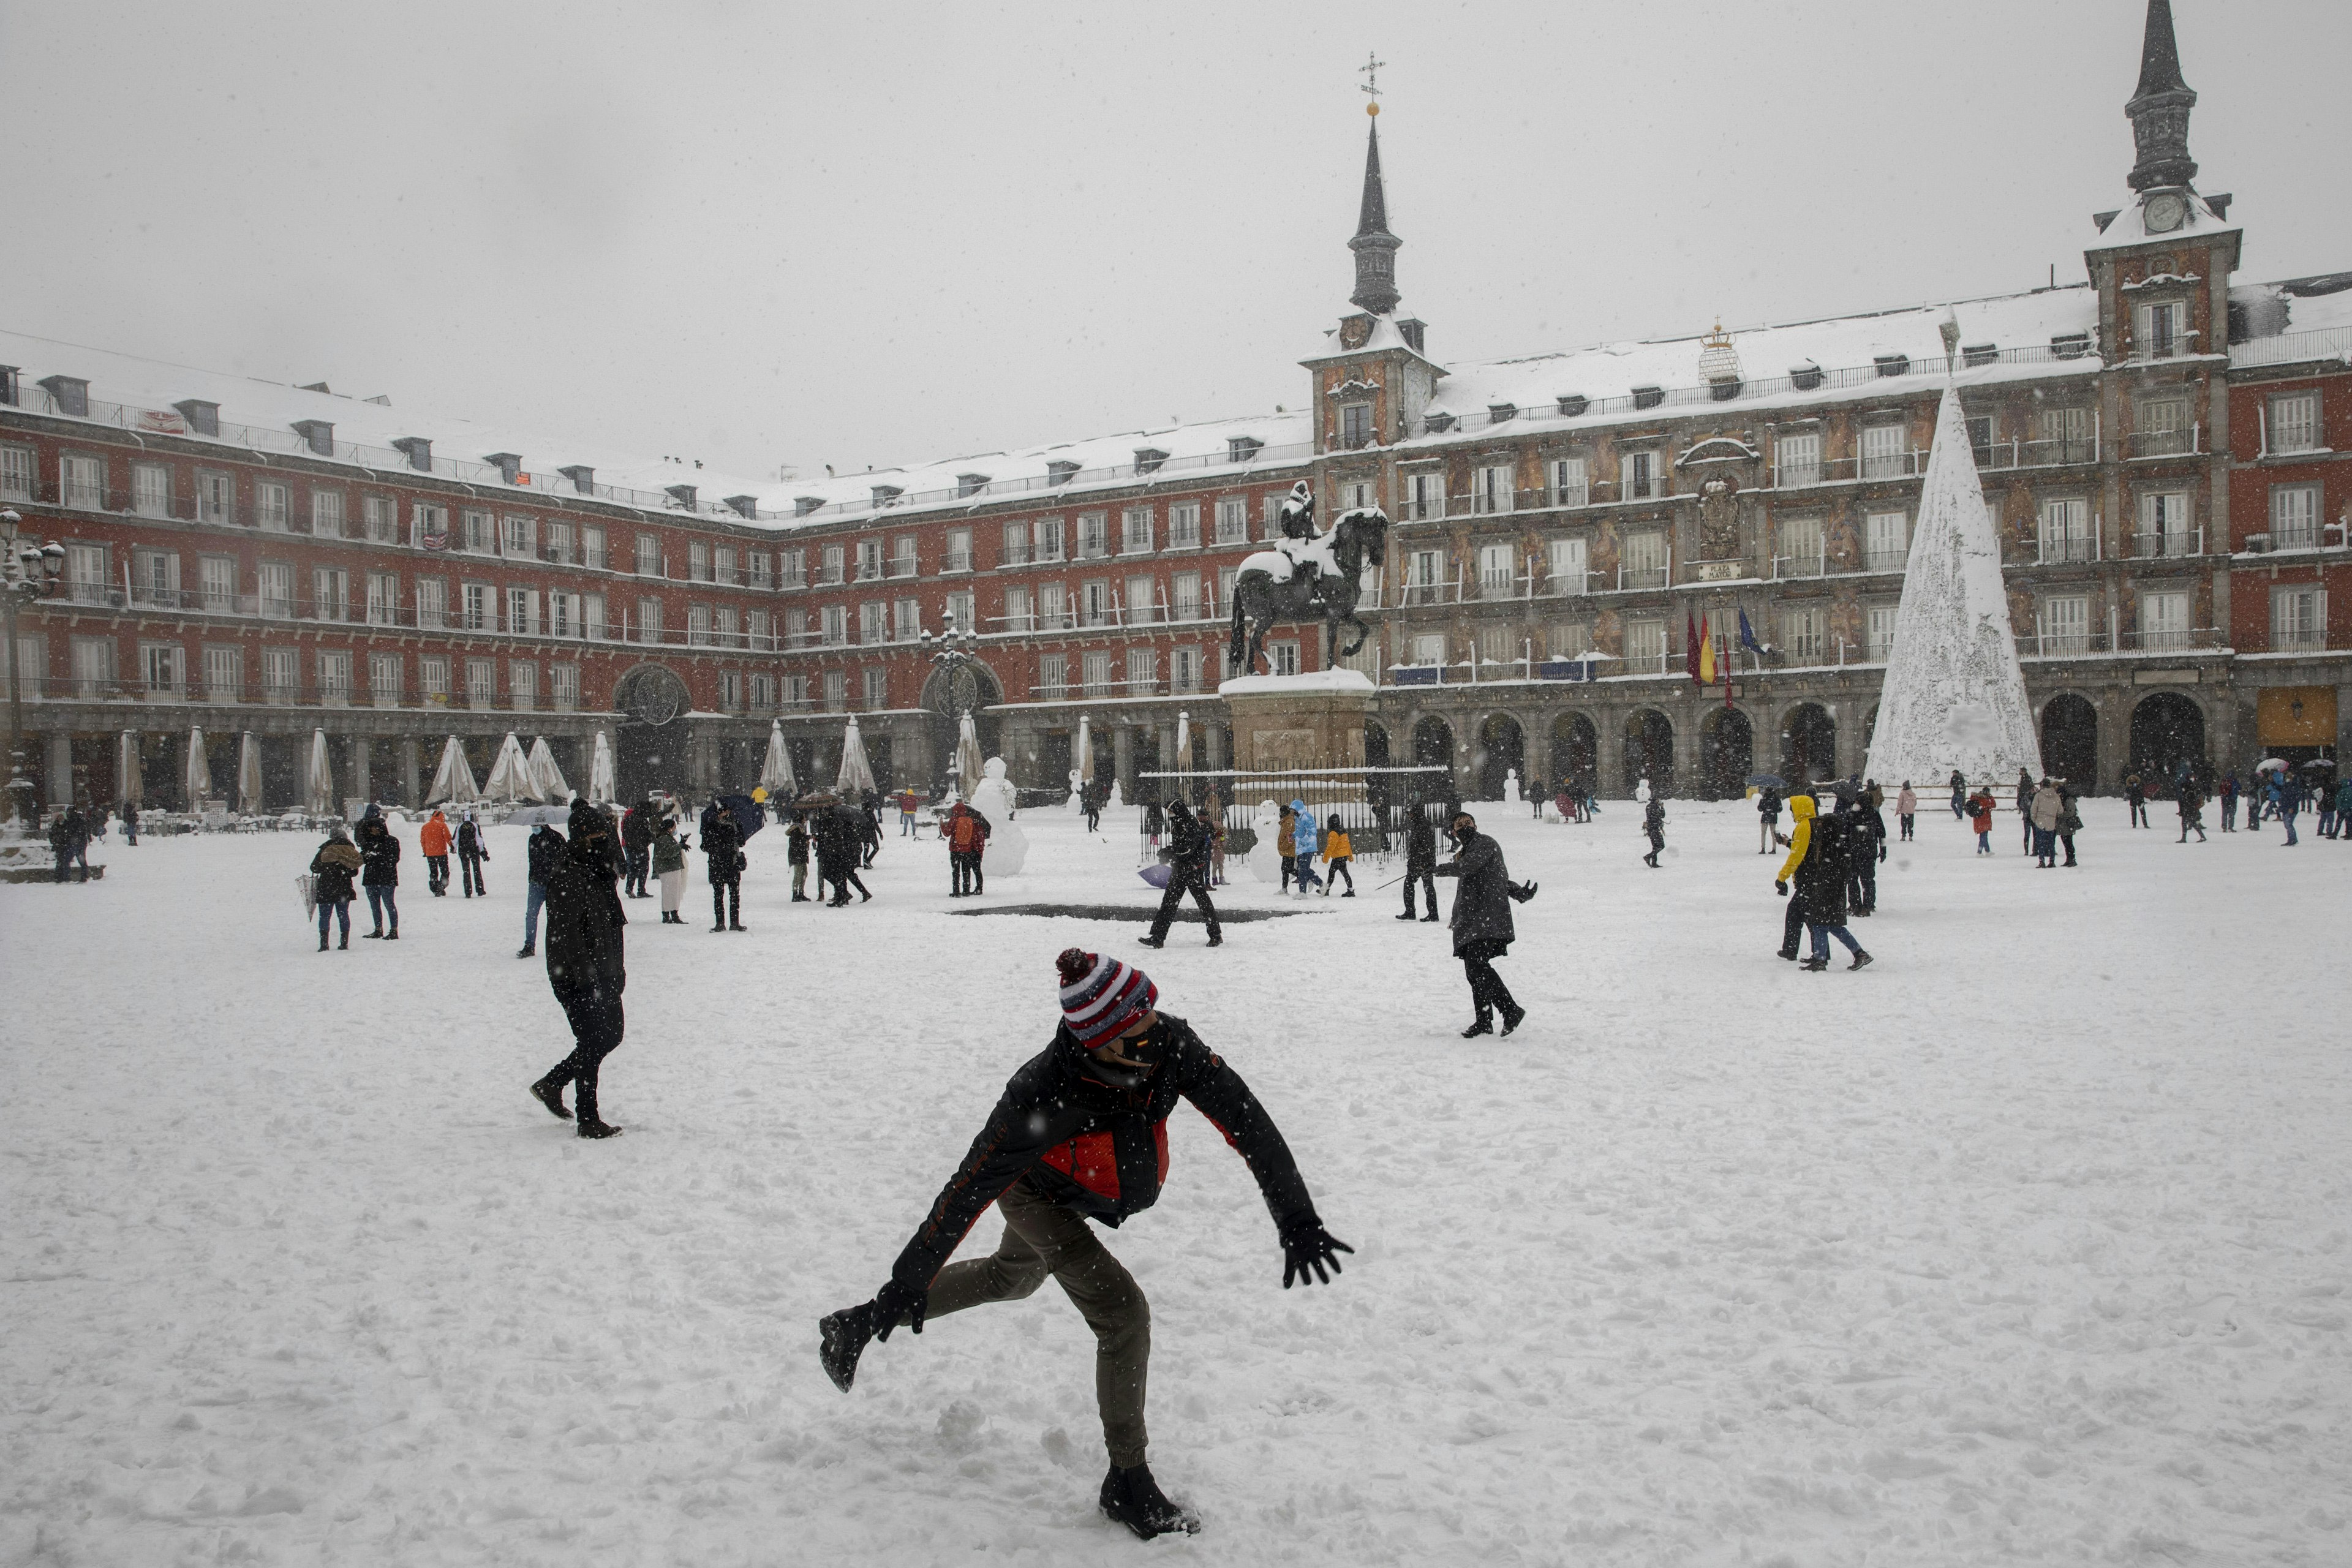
1285 722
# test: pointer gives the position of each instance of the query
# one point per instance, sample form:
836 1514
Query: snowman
1008 847
1266 855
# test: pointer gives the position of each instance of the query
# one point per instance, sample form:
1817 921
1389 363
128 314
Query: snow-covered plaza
2029 1245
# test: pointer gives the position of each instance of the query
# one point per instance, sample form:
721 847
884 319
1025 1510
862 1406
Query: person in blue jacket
2288 792
1304 844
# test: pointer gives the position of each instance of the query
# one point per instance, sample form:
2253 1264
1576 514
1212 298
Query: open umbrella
776 768
749 814
547 779
856 776
319 778
248 775
127 783
969 766
601 784
2320 762
454 780
2271 765
199 775
1766 781
509 777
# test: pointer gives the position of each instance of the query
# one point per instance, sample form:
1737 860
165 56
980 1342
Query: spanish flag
1705 655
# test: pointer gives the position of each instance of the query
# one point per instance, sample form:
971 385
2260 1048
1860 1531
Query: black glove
1522 891
1781 889
895 1304
1307 1248
1882 849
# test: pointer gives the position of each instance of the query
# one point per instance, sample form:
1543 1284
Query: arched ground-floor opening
2070 741
1502 751
2168 733
1649 750
1575 752
1808 744
1727 754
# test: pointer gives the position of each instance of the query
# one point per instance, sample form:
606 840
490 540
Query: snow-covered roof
2129 226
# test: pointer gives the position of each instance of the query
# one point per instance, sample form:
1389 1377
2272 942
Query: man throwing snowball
1080 1134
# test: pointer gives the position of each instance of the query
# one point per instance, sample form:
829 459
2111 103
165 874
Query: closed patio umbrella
319 778
127 783
547 780
856 776
248 775
509 777
601 786
776 769
453 781
968 761
199 775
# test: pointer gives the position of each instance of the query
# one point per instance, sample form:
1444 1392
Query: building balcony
2189 443
2157 544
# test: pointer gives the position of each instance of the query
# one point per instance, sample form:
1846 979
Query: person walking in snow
1803 808
836 832
130 824
796 856
1907 806
334 866
1768 819
636 848
1420 862
1285 836
1821 889
2042 815
433 843
587 964
2323 801
2289 793
1090 801
2025 787
1188 872
1959 788
1981 809
907 800
2135 798
870 832
1303 845
723 861
2344 808
1072 1139
667 852
380 873
471 853
1483 930
1869 849
1653 823
1338 854
2192 811
541 853
2228 796
967 837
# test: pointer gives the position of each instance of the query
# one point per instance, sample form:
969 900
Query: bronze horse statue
1263 601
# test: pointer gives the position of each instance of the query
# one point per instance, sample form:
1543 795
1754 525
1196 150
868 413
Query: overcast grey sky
768 234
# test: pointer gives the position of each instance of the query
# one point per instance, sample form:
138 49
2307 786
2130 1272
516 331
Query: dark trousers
1337 871
1906 828
1487 991
380 903
470 868
639 862
841 876
2138 814
340 909
436 874
1179 884
963 871
2067 839
67 858
1424 876
596 1027
1657 843
727 901
1862 886
1793 927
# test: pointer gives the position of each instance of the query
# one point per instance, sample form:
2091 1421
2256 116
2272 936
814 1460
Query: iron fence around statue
1372 804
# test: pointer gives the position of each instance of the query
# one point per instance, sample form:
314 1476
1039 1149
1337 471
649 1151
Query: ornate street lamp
27 571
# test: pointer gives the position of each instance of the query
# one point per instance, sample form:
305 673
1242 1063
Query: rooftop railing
2292 348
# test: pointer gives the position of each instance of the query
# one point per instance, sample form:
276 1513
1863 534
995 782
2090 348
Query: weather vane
1371 88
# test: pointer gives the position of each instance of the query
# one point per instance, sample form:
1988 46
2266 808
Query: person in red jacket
1980 810
433 841
966 836
1081 1132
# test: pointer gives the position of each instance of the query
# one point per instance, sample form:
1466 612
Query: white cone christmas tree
1954 695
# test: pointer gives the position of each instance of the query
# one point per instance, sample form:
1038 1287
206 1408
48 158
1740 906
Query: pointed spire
1374 217
2159 108
1374 245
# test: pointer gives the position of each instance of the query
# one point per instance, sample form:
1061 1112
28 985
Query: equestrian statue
1306 575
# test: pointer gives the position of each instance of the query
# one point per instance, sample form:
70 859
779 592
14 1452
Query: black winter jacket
379 854
333 872
1821 875
1101 1150
469 840
636 833
1482 903
545 848
1420 842
584 955
722 843
1188 849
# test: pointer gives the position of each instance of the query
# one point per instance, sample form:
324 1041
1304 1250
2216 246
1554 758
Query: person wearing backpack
967 842
334 866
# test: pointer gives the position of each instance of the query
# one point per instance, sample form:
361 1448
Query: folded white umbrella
453 781
601 786
248 775
546 777
857 775
127 783
318 780
509 777
199 775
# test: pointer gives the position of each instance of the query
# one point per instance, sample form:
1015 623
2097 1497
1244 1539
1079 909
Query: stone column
1217 751
411 791
2115 706
1688 727
61 760
1122 751
360 783
1167 748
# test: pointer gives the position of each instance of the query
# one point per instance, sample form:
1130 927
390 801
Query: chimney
202 417
71 392
971 484
509 463
681 495
582 478
8 393
317 435
418 450
745 506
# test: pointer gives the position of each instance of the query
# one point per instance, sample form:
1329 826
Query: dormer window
203 416
582 478
2070 345
803 505
887 494
1892 364
1440 420
1149 459
971 484
1242 448
746 507
71 393
8 384
1805 376
508 465
317 435
681 496
1573 404
1499 413
417 449
1649 396
1974 354
1060 471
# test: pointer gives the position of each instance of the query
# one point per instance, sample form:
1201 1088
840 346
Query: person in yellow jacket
1800 838
1336 853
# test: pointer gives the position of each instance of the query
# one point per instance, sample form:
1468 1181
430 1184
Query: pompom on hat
1101 997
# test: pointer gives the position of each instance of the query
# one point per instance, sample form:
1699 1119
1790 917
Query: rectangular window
1642 480
834 567
760 631
2164 524
1142 671
16 473
335 676
1645 645
432 602
383 679
1497 572
88 580
522 685
2065 624
1646 560
1052 676
281 674
559 543
763 693
836 690
481 683
834 625
2292 423
1185 525
2163 330
869 560
591 546
1500 645
1564 565
1355 424
1093 536
1569 639
874 622
902 556
1093 602
433 679
216 584
697 626
649 555
165 666
429 526
793 691
272 506
908 618
1883 456
722 565
1359 495
1142 605
591 616
1803 552
478 609
1803 634
1428 648
151 489
726 627
2066 529
1879 633
1186 596
1135 530
959 550
1052 607
2061 436
480 533
1019 614
223 677
1225 575
563 686
1492 487
1270 516
792 569
796 627
562 614
1887 540
2299 618
277 585
1569 484
327 513
1233 520
731 690
1050 539
216 497
522 612
1284 655
761 566
381 518
1424 577
962 613
877 690
1098 667
1797 458
1184 670
331 593
2294 517
1016 543
155 578
2164 620
85 482
698 562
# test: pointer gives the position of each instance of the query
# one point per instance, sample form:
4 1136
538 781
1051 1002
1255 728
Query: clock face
2164 213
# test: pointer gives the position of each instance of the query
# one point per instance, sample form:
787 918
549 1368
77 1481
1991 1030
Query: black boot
1481 1025
528 952
1511 1016
1133 1499
599 1129
550 1093
322 941
845 1334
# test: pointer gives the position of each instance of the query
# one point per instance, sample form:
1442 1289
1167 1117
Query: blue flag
1747 635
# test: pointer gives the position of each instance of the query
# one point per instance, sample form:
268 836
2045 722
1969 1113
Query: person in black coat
1869 849
332 868
471 852
69 842
130 822
638 847
1820 887
836 829
796 856
586 964
541 854
1188 872
380 873
723 849
1654 823
1420 861
1482 931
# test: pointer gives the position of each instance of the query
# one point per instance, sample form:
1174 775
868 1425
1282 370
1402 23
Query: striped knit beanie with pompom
1102 997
